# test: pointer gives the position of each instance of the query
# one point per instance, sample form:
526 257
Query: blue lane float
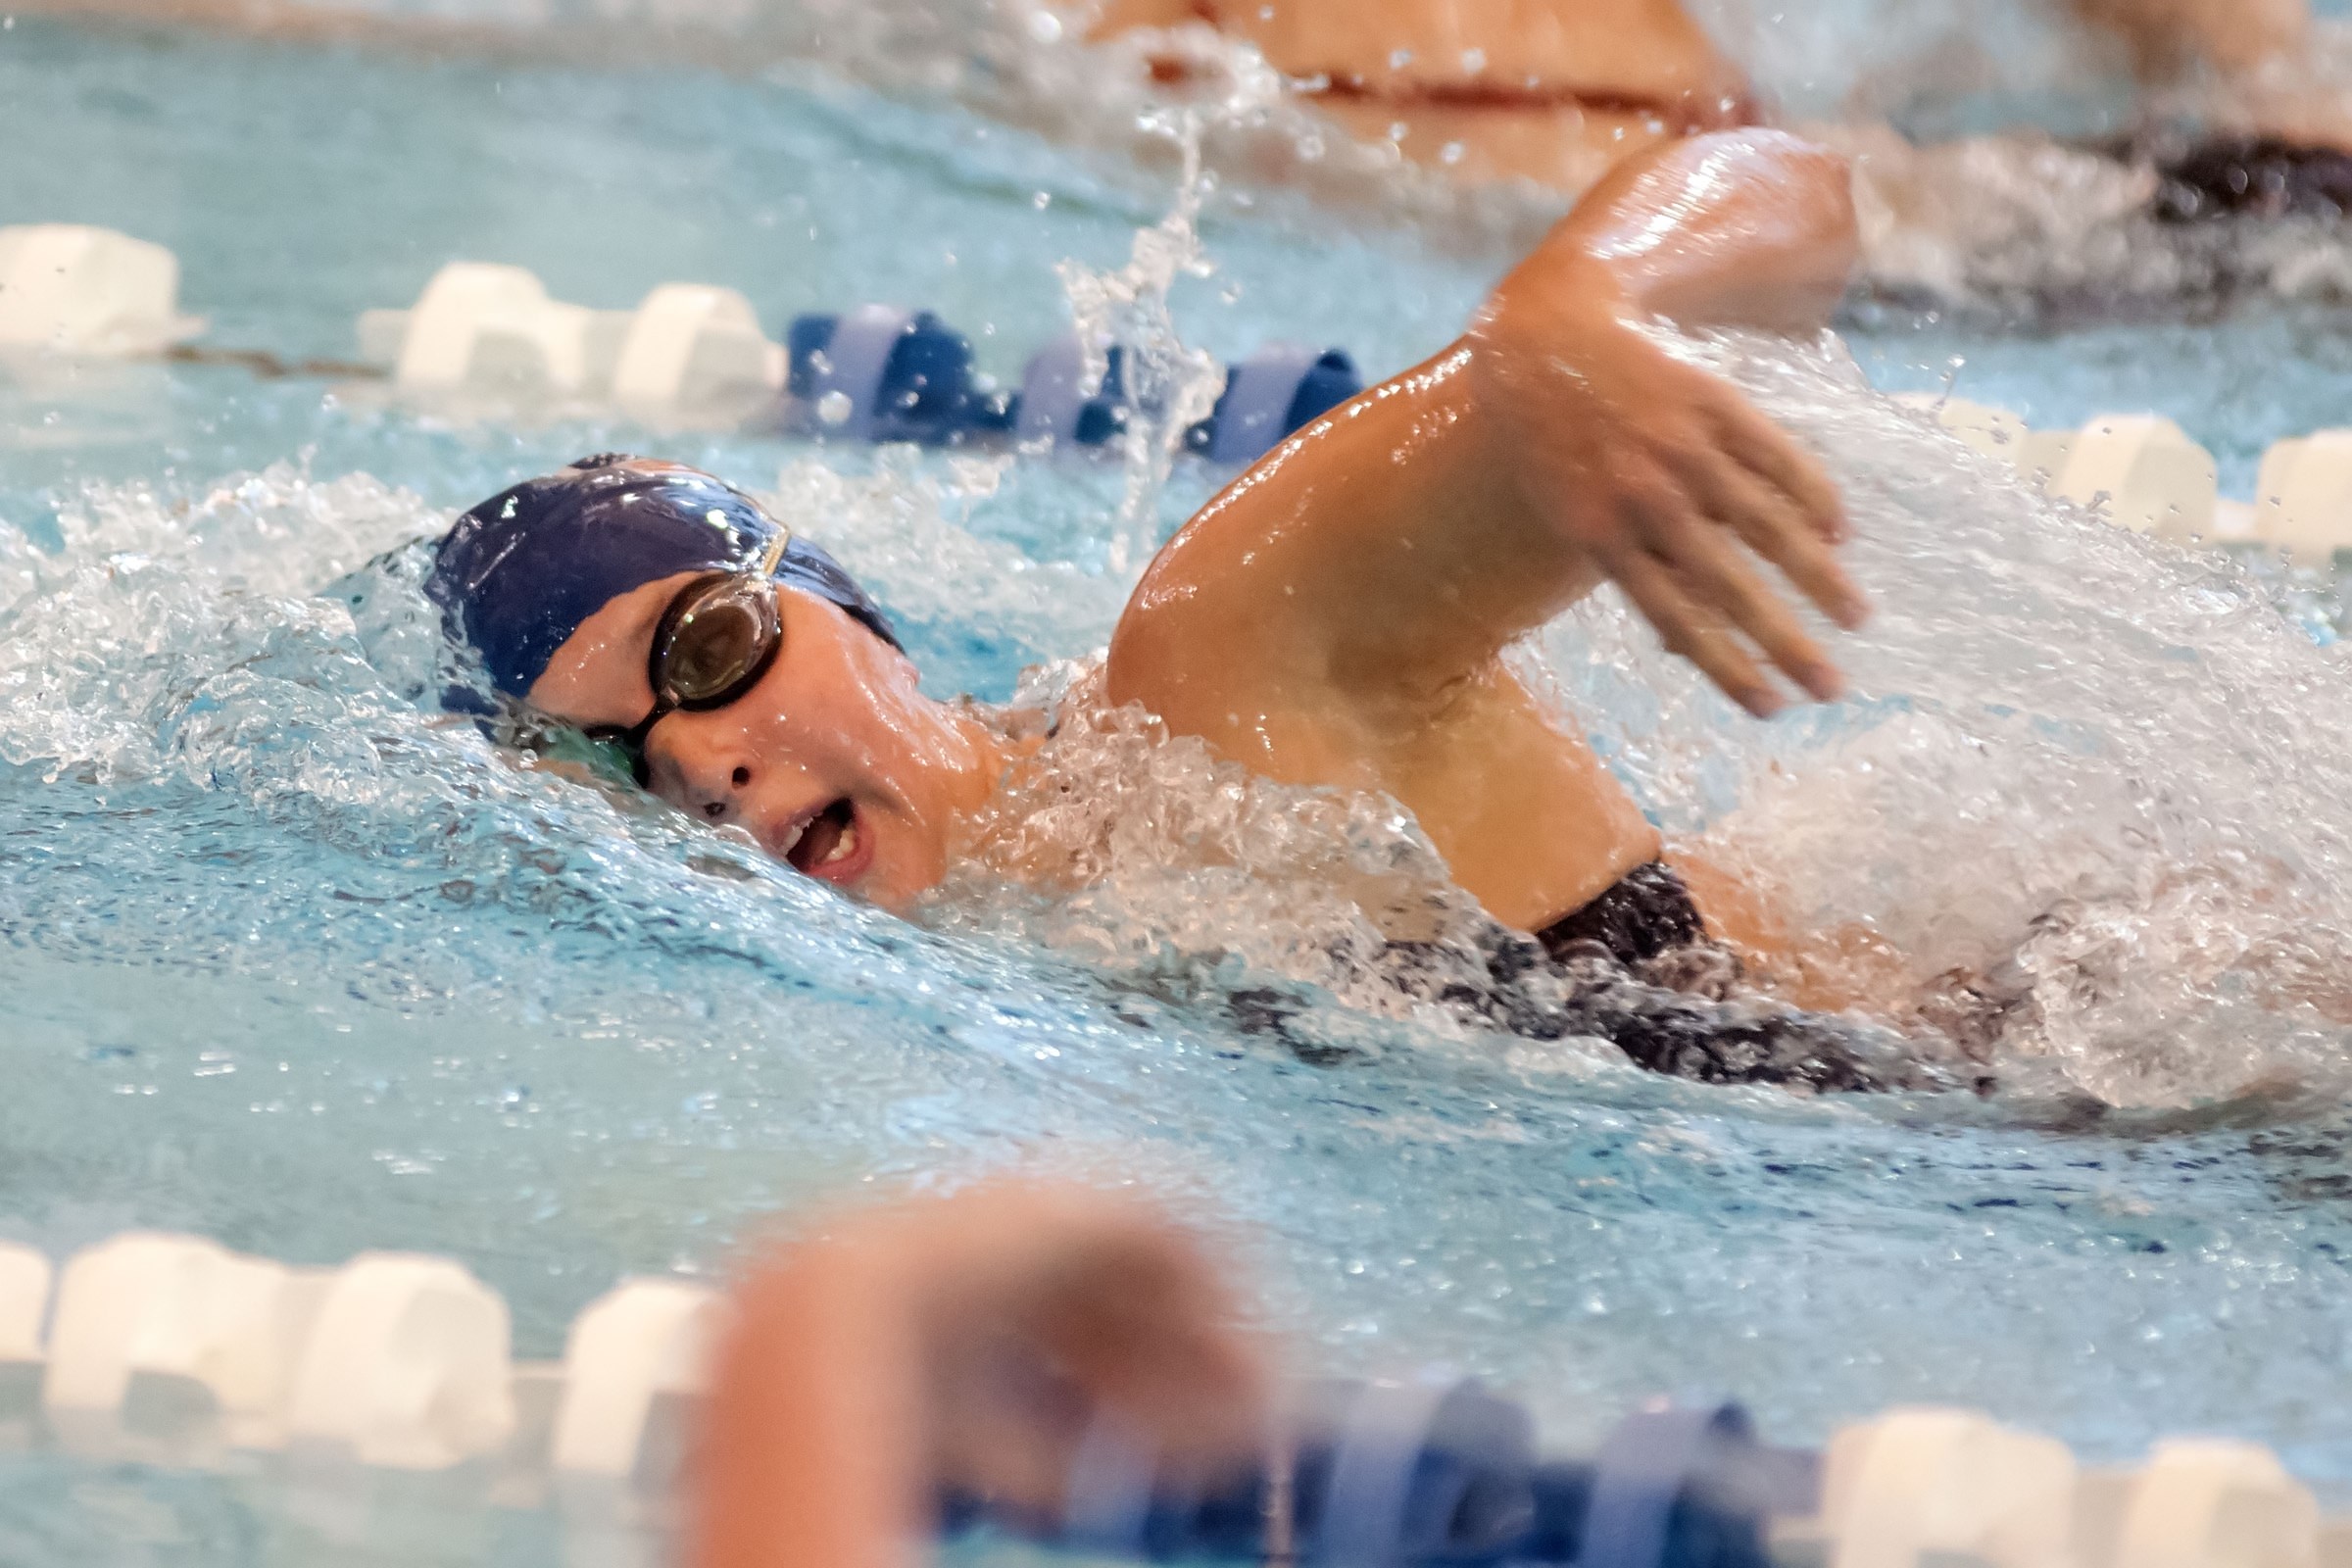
879 374
257 1355
1435 1473
694 356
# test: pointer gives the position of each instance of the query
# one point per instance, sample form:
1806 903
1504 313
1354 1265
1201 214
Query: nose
709 772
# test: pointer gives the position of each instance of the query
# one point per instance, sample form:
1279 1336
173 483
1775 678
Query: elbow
1751 228
1821 183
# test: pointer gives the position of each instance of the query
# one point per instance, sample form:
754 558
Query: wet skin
836 762
1337 615
965 1343
1538 89
1558 91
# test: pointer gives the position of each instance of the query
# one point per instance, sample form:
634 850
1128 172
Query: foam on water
2064 735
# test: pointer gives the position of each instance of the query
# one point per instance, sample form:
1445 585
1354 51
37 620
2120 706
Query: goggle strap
776 546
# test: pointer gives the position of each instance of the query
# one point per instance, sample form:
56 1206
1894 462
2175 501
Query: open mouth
830 845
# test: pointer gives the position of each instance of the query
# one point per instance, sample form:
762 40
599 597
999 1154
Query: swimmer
1337 617
1556 92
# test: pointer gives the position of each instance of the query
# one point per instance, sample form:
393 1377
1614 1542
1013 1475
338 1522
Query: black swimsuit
1636 967
2252 176
1647 914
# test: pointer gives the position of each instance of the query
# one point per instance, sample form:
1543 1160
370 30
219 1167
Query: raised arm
1657 472
1396 546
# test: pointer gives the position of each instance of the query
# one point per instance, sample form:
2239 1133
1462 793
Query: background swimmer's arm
1120 15
2233 36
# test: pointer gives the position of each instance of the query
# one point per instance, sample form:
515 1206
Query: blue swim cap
517 575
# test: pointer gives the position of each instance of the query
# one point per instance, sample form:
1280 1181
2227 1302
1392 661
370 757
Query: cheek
855 720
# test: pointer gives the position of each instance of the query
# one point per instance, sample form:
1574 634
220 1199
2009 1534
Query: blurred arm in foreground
967 1344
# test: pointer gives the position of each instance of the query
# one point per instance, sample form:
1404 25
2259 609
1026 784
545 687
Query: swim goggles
717 640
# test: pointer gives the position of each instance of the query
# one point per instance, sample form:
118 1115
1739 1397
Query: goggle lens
718 647
716 641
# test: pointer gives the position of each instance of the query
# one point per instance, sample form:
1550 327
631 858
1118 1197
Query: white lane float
637 1359
1985 426
2303 497
2146 474
173 1347
694 352
406 1367
2043 455
1936 1488
486 329
73 289
2206 1503
690 354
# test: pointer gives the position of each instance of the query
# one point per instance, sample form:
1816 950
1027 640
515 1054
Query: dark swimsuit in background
2250 176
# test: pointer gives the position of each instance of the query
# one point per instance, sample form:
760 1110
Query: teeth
843 847
793 843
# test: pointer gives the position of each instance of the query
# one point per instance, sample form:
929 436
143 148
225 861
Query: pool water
290 962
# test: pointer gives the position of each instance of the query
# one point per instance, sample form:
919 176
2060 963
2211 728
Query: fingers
1707 568
1762 446
1105 1305
1690 631
1771 523
1143 1320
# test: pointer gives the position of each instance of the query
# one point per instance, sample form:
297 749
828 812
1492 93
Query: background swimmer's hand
1664 474
968 1342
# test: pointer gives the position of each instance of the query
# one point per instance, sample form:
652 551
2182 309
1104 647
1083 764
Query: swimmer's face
836 762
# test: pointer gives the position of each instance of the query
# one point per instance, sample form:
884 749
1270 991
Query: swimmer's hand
1666 477
969 1342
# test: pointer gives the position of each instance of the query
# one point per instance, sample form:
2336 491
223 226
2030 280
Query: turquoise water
289 963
